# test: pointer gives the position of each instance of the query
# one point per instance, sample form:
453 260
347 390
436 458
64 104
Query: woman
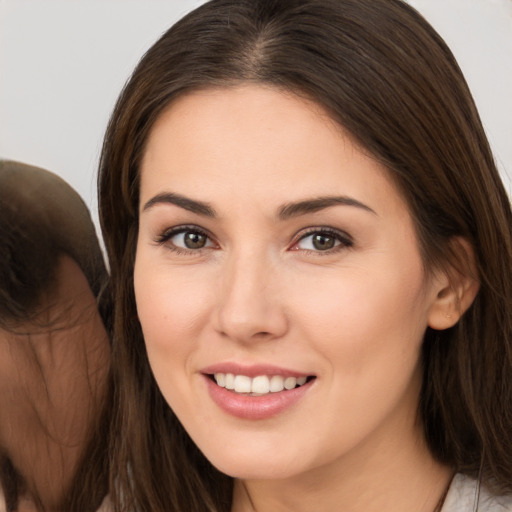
55 349
310 250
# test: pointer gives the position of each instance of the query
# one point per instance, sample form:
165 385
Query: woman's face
273 253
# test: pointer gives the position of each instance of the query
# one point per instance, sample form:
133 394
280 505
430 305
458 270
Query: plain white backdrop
63 63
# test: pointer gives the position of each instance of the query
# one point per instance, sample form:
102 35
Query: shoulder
465 495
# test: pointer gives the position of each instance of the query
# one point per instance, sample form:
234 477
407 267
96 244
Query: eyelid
168 233
346 241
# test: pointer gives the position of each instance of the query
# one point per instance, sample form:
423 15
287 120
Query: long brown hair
389 79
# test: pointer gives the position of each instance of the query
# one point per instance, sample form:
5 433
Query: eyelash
344 239
164 237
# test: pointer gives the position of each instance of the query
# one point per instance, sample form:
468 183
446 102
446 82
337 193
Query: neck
400 477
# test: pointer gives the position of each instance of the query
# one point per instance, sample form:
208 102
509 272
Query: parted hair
383 73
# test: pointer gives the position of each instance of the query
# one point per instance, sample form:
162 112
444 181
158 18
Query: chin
248 470
257 463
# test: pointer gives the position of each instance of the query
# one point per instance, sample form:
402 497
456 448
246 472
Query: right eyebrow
198 207
290 210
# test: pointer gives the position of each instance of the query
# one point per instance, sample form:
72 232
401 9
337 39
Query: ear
456 286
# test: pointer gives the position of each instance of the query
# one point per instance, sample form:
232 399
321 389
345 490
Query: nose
250 297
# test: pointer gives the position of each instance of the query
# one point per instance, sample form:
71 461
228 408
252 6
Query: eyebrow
198 207
285 212
314 205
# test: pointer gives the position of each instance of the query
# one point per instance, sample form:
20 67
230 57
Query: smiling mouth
258 386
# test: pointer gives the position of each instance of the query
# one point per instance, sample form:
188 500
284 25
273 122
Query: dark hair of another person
388 78
41 219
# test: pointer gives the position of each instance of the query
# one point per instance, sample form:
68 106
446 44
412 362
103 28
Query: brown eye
194 240
322 242
185 238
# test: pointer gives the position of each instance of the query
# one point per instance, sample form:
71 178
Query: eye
323 240
185 238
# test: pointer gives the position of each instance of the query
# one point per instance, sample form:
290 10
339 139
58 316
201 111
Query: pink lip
255 407
253 370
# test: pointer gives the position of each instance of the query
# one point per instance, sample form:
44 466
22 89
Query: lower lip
255 407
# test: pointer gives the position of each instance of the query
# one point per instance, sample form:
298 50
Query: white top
465 495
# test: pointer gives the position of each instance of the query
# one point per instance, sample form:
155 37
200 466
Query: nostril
261 334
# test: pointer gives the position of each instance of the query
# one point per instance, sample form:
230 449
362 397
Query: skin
52 375
354 315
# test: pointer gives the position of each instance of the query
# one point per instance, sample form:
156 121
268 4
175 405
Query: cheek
361 318
171 307
368 330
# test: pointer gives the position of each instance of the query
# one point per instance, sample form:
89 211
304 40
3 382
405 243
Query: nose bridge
249 303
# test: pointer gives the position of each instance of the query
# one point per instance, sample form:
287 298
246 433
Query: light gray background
63 63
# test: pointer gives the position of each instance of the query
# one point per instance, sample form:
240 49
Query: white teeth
276 383
290 382
260 385
220 378
242 384
230 380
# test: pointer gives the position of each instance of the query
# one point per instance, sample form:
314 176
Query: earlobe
457 287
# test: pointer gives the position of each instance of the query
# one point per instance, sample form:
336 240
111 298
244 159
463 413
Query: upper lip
252 370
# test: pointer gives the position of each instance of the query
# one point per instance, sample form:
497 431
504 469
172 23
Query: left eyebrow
320 203
197 207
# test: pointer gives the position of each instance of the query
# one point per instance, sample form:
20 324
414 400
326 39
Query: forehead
255 141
